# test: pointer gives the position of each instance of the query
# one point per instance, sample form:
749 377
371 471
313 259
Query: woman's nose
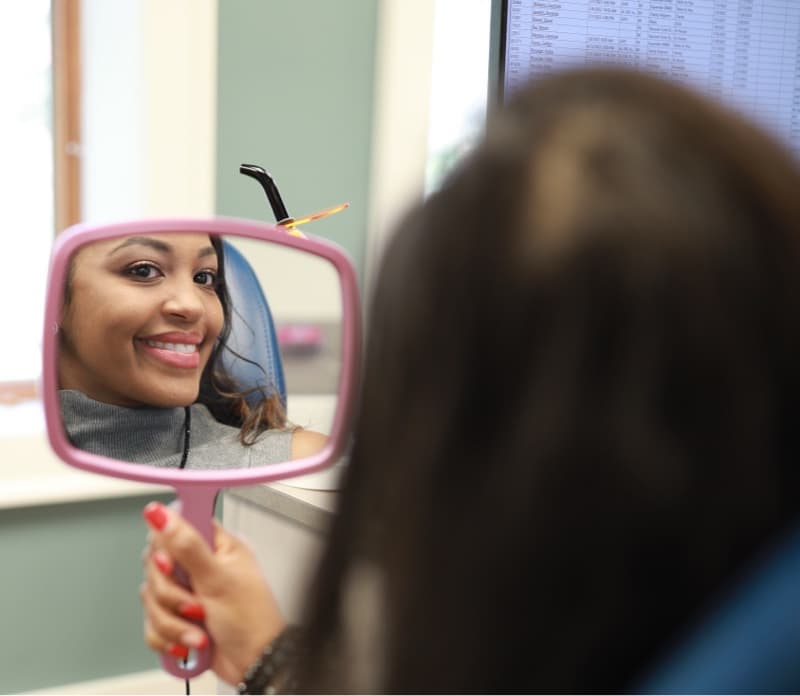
184 302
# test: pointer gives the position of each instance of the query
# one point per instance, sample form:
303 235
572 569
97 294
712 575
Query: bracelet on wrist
273 671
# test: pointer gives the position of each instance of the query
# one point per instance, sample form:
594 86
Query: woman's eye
207 278
143 271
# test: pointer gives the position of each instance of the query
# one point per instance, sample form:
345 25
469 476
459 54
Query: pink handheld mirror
138 313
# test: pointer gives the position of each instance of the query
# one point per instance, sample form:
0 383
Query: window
28 141
459 83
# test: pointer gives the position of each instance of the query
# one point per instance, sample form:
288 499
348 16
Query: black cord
187 431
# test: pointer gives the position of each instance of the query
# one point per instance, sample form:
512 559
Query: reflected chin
164 397
165 385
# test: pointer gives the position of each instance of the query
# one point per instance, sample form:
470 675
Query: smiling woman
143 325
141 318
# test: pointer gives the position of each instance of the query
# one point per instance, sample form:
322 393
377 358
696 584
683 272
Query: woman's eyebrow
145 241
158 245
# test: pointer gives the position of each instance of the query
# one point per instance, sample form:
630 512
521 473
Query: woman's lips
174 354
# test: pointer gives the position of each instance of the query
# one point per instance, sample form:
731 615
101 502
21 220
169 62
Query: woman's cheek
215 324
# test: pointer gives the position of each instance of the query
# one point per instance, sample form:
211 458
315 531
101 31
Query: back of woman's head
575 425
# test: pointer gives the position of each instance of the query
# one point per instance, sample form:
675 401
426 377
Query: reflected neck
141 435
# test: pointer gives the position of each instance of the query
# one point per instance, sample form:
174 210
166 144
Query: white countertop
310 508
30 474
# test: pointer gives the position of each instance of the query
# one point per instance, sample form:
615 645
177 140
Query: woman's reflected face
141 319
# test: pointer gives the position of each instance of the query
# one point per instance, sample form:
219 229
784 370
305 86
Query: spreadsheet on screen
745 53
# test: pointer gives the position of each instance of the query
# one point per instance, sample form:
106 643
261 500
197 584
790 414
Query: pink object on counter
303 336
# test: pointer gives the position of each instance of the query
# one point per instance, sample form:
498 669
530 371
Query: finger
179 539
149 546
163 628
162 561
223 540
170 593
157 643
153 640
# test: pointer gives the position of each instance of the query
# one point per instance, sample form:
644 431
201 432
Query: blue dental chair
252 329
750 643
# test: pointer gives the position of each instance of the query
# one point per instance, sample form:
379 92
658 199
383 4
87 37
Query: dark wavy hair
228 401
579 409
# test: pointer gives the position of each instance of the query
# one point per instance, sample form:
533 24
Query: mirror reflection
198 352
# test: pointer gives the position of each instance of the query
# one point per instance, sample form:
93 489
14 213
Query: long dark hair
227 400
579 403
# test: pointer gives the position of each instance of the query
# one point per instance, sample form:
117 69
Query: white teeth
177 347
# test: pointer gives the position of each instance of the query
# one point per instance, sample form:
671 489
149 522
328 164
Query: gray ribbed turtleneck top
155 435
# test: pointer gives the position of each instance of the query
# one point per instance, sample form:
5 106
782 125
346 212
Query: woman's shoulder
304 443
222 442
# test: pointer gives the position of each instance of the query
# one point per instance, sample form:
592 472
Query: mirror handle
196 505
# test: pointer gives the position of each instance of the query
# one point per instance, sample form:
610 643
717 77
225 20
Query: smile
184 356
176 347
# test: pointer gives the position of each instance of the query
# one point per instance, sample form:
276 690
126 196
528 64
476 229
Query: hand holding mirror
199 354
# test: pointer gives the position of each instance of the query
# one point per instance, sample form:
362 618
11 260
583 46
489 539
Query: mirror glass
198 351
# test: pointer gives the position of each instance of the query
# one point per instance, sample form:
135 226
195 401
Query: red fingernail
177 650
193 610
162 562
156 515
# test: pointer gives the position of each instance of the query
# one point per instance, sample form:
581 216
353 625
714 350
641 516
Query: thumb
224 541
172 533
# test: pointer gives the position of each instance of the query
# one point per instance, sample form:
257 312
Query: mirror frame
76 236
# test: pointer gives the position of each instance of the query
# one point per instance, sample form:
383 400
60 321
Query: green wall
69 600
295 88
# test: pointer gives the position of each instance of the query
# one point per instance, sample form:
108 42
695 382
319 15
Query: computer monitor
744 53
